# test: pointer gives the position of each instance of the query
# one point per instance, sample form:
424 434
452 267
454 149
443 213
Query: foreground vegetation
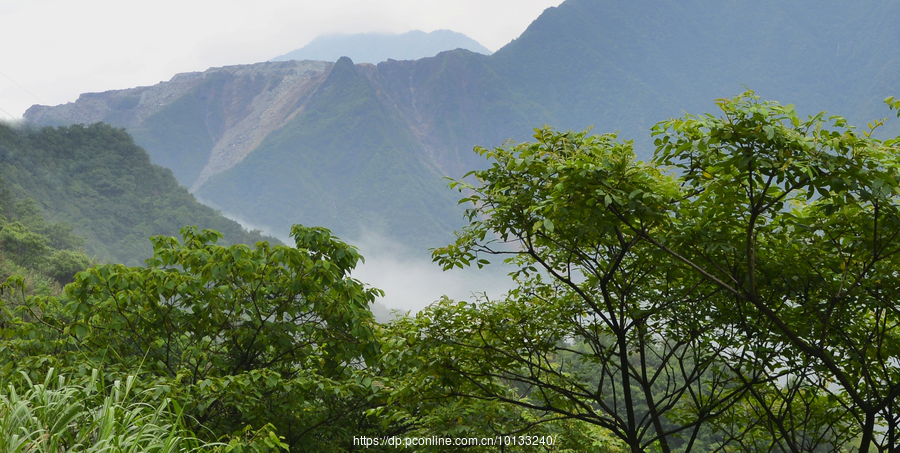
57 415
744 302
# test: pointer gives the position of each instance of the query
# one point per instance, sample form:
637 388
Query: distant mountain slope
377 47
624 66
363 147
356 148
454 101
96 179
346 162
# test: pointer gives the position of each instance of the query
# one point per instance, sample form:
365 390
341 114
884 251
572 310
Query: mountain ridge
216 134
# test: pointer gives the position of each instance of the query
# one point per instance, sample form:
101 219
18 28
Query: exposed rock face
245 103
139 103
251 118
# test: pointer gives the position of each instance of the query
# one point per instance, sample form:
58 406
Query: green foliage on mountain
97 180
265 347
645 318
46 255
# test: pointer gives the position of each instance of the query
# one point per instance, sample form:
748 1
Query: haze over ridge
377 47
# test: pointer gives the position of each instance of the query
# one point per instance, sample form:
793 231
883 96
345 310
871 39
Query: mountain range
361 148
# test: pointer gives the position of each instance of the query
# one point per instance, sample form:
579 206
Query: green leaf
548 225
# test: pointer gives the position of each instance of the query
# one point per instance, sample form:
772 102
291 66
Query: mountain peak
377 47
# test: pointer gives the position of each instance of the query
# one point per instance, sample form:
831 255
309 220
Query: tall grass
59 416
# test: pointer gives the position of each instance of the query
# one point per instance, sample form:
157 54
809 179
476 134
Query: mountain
356 148
377 47
96 180
342 160
362 148
197 123
624 66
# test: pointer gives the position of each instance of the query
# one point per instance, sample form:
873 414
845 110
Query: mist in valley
411 281
409 278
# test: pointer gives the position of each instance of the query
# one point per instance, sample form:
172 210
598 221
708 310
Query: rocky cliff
226 112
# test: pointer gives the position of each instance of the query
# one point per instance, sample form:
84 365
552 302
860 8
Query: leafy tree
761 274
62 265
426 402
603 328
790 415
806 247
26 246
239 336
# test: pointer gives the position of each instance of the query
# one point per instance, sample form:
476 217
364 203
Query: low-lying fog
412 281
409 279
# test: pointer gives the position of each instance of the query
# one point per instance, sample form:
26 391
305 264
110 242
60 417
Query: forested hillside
97 180
46 255
723 280
620 66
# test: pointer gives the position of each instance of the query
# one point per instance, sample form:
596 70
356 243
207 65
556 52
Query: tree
239 336
62 265
807 246
25 246
762 269
419 398
603 327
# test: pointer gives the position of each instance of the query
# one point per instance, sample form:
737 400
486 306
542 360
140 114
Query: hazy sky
54 50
